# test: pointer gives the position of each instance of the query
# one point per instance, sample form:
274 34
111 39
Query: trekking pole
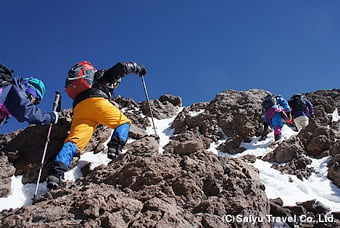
55 107
148 102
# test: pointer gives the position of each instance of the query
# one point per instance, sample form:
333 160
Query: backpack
80 78
269 101
297 102
6 76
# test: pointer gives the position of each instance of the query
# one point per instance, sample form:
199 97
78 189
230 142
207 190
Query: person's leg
82 128
118 140
277 133
301 122
60 165
113 118
78 138
277 126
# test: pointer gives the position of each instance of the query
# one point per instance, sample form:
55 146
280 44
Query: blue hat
38 85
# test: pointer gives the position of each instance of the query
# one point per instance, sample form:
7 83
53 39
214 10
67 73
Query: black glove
140 70
118 71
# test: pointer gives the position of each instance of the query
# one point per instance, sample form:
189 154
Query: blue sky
192 48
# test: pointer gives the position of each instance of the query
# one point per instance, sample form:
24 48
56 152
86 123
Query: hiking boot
114 151
53 182
115 147
277 137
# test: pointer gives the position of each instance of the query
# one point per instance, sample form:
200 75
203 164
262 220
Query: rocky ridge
186 186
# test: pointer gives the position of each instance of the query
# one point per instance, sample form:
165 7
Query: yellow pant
88 114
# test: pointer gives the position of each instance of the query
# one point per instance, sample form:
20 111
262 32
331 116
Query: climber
276 109
92 106
19 98
302 109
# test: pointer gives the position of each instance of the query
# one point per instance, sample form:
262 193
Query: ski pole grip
56 101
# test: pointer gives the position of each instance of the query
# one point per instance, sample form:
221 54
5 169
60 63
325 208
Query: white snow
193 114
335 115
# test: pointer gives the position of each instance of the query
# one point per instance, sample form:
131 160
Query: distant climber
276 109
302 110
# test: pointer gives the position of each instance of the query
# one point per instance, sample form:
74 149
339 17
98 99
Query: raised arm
120 70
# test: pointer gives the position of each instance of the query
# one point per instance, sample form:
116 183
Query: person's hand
140 70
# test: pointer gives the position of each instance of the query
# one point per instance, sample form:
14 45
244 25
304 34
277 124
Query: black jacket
105 79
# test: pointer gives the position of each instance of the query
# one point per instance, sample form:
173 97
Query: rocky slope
186 186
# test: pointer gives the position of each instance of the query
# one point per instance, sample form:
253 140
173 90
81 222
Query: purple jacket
309 111
14 102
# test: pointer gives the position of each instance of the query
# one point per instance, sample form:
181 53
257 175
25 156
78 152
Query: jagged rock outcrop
186 186
235 114
150 189
325 102
6 173
289 157
317 139
288 150
164 107
311 213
